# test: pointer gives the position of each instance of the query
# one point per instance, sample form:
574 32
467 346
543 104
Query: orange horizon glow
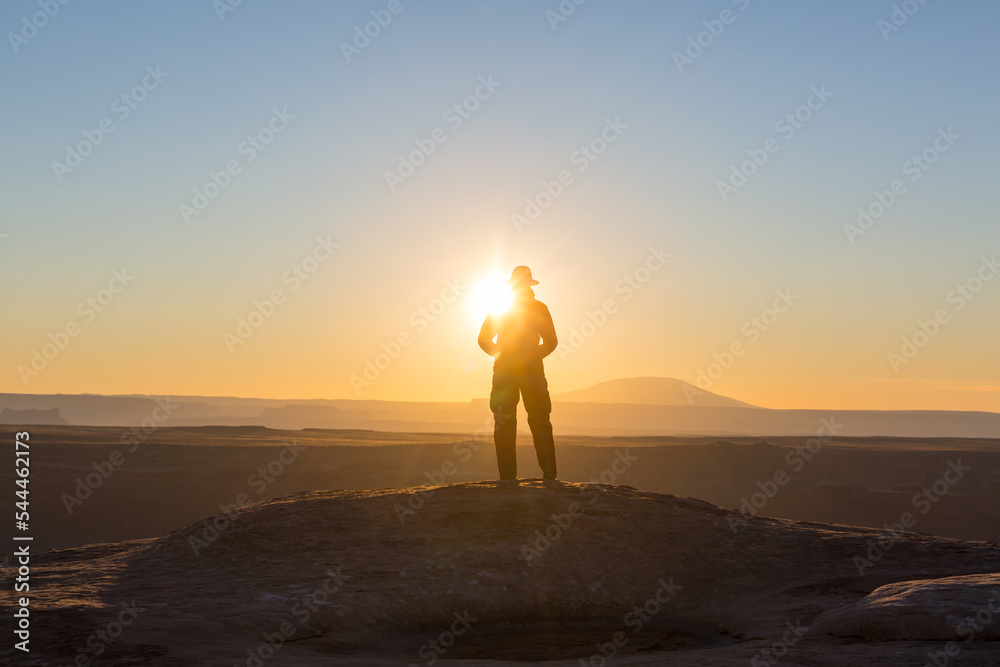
928 396
339 227
427 351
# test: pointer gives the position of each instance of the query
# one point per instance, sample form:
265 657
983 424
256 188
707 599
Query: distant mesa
32 417
649 391
642 406
297 410
296 416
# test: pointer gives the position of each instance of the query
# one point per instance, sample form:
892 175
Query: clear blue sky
656 184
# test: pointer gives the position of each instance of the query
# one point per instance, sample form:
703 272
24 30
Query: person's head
521 281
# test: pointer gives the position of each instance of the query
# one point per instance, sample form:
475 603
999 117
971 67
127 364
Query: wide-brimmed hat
521 276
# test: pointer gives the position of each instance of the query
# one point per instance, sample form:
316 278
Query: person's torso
519 332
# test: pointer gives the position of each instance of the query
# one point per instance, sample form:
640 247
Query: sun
489 296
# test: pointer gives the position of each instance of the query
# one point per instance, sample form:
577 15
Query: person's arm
486 335
548 334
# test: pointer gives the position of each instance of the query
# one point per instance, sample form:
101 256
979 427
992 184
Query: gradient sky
656 185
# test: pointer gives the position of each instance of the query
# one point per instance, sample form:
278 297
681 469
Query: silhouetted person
524 336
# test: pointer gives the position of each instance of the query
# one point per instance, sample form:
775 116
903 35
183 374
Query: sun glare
489 296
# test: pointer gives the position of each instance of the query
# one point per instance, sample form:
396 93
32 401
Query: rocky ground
490 573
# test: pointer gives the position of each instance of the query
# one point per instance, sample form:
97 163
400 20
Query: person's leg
503 403
538 405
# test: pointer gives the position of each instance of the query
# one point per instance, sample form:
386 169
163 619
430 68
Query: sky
790 203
